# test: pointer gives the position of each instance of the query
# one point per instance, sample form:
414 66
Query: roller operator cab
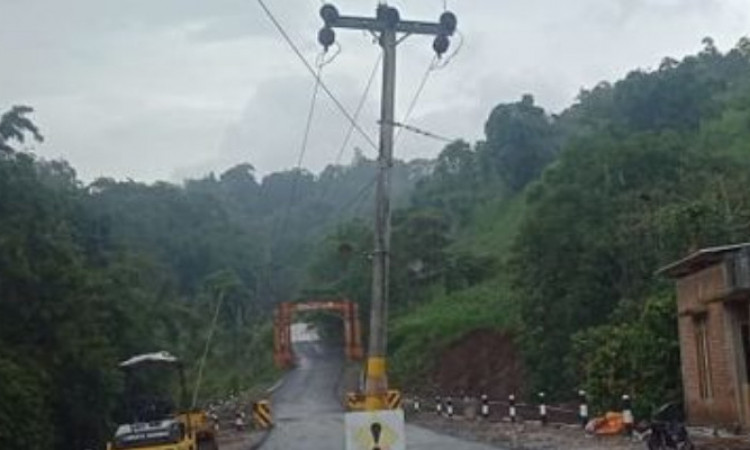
152 420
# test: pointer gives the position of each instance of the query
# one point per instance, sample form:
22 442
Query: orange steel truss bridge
282 335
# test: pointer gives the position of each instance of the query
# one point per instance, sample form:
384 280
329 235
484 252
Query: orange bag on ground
610 424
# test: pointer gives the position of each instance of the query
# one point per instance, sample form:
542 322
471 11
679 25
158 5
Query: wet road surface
309 415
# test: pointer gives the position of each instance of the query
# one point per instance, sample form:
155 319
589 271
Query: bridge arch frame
284 314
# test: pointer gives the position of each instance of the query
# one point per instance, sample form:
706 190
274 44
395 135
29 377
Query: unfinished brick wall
698 296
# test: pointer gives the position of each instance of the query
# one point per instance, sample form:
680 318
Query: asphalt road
309 415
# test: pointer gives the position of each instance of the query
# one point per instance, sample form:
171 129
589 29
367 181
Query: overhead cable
360 106
417 95
312 71
310 115
413 129
357 112
356 197
303 147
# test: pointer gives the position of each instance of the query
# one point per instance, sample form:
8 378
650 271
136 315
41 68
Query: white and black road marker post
512 407
449 407
485 407
583 408
627 415
542 408
438 405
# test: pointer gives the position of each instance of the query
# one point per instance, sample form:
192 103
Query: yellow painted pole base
376 384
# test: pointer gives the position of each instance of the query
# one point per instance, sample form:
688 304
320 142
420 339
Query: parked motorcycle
667 430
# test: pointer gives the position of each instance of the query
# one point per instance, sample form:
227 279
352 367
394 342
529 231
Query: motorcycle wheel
655 442
687 444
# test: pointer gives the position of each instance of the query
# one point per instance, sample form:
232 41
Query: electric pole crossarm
428 28
358 23
363 23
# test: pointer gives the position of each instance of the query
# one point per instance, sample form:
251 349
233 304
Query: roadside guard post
485 407
542 409
262 417
438 406
512 407
627 415
370 430
583 409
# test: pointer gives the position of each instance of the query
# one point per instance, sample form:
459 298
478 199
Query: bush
639 357
24 413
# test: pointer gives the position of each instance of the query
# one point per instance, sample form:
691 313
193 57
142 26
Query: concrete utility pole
387 24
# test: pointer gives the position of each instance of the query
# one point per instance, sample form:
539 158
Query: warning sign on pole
375 430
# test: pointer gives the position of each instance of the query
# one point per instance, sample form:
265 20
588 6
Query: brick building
713 303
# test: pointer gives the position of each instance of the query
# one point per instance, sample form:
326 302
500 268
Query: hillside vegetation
552 228
93 274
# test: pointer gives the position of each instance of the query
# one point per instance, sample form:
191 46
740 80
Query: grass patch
493 229
254 371
419 336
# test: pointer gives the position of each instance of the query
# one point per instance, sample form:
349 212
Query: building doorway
740 314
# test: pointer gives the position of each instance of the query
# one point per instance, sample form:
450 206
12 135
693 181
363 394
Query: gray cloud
152 88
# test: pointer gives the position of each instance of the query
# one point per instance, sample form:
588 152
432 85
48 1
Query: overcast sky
163 89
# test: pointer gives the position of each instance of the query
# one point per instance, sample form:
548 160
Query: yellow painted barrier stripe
262 414
394 399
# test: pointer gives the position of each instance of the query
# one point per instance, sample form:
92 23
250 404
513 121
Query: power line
417 95
321 62
310 116
420 131
356 197
303 146
357 112
434 65
360 106
312 71
279 231
410 110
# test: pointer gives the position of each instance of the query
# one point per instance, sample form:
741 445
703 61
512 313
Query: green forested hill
553 228
92 274
663 172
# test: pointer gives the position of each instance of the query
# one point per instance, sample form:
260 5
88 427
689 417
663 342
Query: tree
521 141
13 126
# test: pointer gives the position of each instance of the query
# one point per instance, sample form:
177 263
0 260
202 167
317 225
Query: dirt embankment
482 362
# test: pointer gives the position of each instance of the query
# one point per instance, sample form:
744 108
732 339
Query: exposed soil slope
482 362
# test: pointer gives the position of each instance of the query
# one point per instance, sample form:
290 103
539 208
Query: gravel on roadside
532 436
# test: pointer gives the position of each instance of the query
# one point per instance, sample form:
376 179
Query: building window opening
703 357
745 337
